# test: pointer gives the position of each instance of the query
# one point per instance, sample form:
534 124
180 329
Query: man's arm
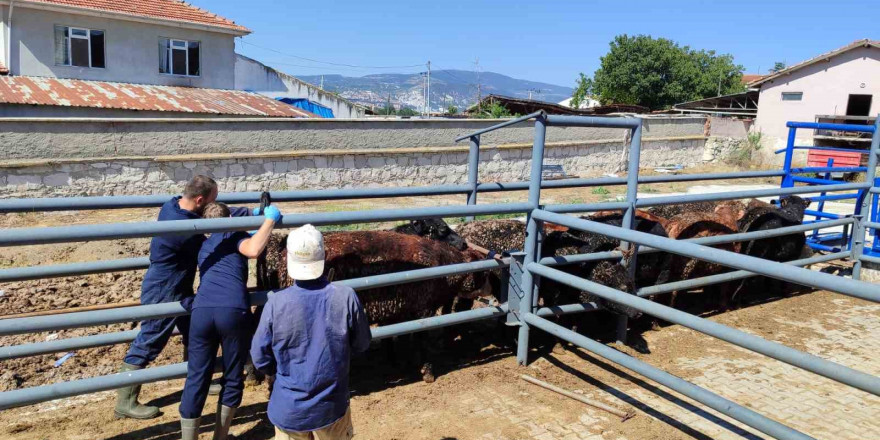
261 346
360 326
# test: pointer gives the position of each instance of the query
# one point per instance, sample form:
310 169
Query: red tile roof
124 96
166 10
750 77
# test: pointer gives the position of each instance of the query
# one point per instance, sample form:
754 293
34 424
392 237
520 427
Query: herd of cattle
430 243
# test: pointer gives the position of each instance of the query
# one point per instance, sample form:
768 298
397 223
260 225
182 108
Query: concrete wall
254 76
826 87
97 157
131 50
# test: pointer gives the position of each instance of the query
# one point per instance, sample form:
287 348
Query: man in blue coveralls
169 278
305 338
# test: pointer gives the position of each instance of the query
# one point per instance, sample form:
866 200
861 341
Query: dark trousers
154 335
210 328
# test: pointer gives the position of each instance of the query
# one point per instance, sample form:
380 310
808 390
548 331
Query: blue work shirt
172 259
306 336
223 271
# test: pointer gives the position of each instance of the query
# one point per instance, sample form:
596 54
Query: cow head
435 229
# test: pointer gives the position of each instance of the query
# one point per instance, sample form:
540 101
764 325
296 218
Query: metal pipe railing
712 400
733 195
73 269
46 204
732 276
593 121
731 259
705 241
64 234
829 126
513 121
822 367
35 324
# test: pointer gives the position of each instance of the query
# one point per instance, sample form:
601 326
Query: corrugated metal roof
125 96
173 10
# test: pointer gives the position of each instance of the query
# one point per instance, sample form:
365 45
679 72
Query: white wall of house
254 76
131 50
826 87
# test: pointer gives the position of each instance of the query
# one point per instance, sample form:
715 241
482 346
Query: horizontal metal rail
35 324
73 269
592 121
670 381
828 170
872 225
30 396
706 241
810 147
732 276
771 269
513 121
587 207
870 259
64 234
46 204
733 195
829 126
814 364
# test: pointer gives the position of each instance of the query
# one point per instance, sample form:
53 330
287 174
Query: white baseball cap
305 253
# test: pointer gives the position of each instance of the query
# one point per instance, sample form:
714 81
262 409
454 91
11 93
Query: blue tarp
308 106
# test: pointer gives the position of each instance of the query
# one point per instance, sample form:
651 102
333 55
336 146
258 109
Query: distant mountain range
448 87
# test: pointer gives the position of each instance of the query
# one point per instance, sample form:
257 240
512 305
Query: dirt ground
478 394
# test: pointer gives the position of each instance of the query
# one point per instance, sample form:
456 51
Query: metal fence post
789 155
531 245
629 217
512 288
473 172
863 208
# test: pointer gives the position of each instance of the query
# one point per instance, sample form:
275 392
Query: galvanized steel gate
524 268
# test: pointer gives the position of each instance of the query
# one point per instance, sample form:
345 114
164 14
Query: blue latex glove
256 211
272 213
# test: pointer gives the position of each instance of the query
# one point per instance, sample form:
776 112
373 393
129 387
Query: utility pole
479 86
428 97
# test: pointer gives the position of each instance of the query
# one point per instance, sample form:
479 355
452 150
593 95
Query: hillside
448 87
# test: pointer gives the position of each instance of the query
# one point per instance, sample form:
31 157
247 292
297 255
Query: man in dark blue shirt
169 278
305 338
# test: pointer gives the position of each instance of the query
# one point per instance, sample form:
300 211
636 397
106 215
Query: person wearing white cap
305 339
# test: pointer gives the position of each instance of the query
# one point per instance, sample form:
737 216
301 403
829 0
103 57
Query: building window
79 47
179 57
792 96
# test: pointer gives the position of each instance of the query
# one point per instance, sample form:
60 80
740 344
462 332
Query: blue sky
549 41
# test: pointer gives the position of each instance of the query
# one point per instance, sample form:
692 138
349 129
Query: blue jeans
211 328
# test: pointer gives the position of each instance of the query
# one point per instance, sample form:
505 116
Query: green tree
387 110
777 66
494 110
406 111
657 73
452 110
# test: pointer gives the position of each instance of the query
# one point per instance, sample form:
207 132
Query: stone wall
355 154
328 169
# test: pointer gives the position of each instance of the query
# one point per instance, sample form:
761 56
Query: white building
588 102
844 83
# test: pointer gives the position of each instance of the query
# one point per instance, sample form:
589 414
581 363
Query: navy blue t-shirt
224 272
172 259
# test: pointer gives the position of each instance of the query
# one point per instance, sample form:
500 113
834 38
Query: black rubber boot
127 400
